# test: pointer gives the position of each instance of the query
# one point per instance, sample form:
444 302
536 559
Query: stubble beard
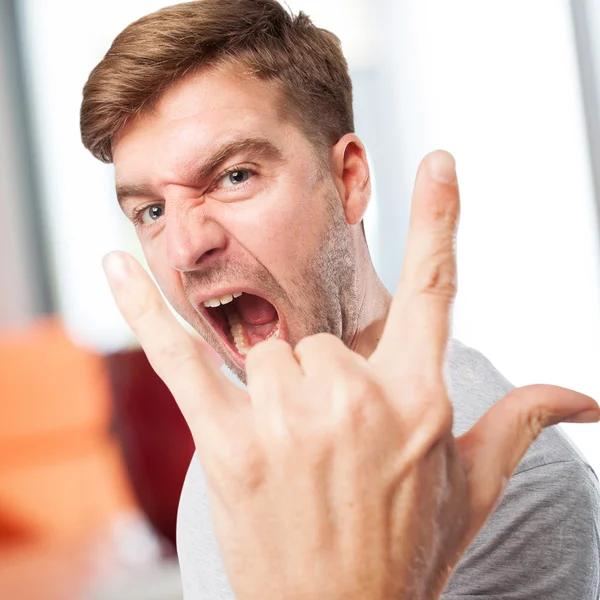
323 299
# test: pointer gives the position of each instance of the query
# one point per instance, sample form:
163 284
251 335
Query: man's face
229 197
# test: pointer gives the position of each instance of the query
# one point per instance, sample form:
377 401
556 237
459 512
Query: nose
191 238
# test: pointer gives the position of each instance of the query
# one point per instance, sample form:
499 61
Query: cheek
282 230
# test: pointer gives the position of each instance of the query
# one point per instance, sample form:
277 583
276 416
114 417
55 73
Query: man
230 126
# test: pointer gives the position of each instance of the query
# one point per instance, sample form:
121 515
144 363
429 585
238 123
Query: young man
230 126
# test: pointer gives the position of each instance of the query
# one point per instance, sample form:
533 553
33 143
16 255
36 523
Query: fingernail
116 267
591 415
442 166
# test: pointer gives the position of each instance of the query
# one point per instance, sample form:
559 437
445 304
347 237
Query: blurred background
92 450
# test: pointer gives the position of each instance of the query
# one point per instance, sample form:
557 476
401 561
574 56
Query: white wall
19 292
64 41
496 83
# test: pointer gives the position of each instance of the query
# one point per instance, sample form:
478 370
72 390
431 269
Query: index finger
199 388
418 324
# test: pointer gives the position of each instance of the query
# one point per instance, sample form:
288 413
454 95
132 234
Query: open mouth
242 320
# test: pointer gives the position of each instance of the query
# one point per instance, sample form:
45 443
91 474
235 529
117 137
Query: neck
372 311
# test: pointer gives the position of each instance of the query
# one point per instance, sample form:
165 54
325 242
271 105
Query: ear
350 170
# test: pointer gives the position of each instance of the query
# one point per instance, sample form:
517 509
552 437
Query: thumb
494 446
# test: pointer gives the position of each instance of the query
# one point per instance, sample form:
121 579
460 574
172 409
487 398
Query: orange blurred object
61 474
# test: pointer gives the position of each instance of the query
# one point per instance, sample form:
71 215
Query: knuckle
442 206
179 353
143 315
432 407
357 401
532 419
285 434
439 276
318 341
435 210
535 421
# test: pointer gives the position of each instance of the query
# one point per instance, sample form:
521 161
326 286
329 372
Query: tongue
255 310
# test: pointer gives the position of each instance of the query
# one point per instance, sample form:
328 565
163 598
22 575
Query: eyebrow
259 147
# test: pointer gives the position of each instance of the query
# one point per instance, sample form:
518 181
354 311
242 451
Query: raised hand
335 476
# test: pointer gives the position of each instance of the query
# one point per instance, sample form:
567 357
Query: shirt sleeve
542 542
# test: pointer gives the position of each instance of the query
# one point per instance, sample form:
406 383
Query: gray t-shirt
541 543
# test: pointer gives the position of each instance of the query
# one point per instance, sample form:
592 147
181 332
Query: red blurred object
156 442
61 473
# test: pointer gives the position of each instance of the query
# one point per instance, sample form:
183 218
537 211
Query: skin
291 231
339 477
334 475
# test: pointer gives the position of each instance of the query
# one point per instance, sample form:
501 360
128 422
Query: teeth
226 299
274 333
239 337
238 333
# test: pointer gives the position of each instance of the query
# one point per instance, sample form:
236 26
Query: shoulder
474 385
543 539
541 542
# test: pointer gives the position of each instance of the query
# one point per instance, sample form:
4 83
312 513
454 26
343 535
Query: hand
335 476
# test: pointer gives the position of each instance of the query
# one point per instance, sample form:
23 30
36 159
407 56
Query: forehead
200 111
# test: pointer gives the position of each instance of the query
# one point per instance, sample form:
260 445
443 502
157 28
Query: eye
150 214
235 178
